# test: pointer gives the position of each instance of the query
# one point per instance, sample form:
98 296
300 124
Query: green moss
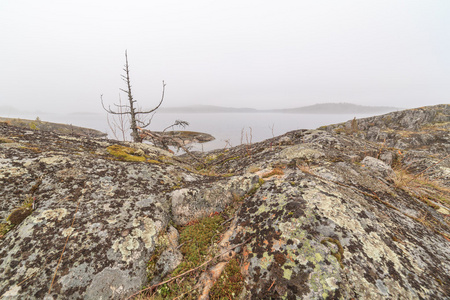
213 157
152 161
125 153
195 240
228 175
5 228
253 190
33 126
176 187
231 158
230 283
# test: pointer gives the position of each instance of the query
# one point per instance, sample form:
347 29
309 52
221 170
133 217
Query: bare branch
109 110
121 106
129 109
160 102
177 123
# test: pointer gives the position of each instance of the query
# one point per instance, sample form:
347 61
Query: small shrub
33 126
354 125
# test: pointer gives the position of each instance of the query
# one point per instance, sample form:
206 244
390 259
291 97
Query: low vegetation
198 244
17 215
431 192
197 240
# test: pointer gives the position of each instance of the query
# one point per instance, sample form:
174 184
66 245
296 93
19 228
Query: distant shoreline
326 108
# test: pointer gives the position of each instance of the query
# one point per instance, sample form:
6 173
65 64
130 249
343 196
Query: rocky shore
359 210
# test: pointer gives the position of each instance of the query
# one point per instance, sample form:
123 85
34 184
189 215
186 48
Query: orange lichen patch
245 267
288 256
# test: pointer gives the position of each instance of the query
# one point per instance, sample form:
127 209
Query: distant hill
337 108
325 108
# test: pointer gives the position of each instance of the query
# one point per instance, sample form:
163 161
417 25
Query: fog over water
227 128
60 56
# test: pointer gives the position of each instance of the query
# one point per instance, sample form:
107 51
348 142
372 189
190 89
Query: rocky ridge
356 210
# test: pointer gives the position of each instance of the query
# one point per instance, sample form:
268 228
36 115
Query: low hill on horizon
323 108
338 108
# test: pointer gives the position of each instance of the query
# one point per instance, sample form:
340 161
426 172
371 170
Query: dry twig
189 271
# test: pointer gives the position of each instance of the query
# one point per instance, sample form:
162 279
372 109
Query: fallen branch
189 271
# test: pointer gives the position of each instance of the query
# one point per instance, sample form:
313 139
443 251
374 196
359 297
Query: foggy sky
59 56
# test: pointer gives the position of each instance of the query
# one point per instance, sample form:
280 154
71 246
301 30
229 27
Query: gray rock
378 166
332 223
190 204
167 262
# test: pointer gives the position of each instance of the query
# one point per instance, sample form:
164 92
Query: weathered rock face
53 127
112 211
335 214
421 131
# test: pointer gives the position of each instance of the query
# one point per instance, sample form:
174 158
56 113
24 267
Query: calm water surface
227 128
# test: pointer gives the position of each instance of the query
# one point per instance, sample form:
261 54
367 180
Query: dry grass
305 169
274 172
5 140
429 191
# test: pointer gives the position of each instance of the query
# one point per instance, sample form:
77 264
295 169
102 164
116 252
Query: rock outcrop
54 127
357 210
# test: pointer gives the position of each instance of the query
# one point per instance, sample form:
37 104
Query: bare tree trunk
131 109
126 78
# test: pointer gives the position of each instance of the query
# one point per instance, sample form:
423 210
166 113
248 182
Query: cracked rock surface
358 210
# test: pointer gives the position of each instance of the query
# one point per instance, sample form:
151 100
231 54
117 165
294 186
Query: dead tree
136 116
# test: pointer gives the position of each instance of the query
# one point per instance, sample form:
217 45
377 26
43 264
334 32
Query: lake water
227 128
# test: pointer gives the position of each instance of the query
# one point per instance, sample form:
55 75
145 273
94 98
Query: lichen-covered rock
99 215
360 210
377 165
314 238
189 204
